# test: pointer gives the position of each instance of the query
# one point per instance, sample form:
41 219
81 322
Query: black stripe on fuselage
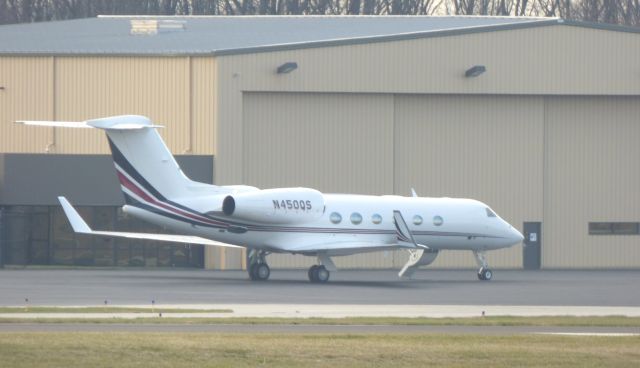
172 216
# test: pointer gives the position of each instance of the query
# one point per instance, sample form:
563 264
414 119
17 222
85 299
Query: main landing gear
318 274
258 268
484 273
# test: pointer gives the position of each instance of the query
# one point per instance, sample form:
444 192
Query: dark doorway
532 245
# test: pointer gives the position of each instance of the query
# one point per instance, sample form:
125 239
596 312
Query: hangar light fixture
475 71
287 67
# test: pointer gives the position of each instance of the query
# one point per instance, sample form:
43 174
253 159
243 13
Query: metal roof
219 35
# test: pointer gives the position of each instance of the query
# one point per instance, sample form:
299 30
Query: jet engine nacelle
281 206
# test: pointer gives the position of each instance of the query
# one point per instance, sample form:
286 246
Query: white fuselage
447 223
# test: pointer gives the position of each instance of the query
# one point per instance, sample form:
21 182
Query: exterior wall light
475 71
287 67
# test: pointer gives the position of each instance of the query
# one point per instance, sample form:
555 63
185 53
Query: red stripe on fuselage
142 194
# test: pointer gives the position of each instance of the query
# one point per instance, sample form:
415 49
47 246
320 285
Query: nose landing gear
484 273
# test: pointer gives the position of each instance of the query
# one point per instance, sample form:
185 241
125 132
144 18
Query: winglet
402 230
77 223
403 234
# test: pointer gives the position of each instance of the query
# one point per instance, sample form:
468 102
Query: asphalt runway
91 287
314 329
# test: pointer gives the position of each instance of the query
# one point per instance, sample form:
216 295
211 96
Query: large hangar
540 118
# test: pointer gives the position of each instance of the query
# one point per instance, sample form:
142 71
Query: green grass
611 321
142 349
107 309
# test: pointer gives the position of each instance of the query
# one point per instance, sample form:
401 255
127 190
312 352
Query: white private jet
283 220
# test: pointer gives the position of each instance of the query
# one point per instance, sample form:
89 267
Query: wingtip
76 221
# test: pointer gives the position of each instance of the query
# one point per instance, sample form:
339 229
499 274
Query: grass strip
559 321
143 349
107 309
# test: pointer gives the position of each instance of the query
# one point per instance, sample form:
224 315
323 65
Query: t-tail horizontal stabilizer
122 122
80 226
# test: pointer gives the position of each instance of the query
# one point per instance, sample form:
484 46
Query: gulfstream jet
283 220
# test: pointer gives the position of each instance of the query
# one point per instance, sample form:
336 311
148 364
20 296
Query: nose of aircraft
515 235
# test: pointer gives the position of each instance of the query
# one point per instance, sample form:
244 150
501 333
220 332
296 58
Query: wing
80 226
346 248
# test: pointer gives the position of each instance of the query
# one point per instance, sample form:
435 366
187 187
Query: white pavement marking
342 311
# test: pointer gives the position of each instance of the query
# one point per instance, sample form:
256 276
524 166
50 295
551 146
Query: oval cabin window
335 218
417 220
437 220
356 218
376 219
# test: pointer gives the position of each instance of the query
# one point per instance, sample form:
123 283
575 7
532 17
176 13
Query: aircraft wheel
262 272
313 273
253 274
322 274
485 274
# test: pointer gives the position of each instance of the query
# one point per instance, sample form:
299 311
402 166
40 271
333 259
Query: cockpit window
490 213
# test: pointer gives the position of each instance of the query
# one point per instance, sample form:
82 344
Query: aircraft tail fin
146 169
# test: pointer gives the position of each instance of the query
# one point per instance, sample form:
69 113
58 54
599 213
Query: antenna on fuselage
413 193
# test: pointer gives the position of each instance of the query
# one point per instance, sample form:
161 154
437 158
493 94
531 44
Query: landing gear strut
484 273
258 268
318 274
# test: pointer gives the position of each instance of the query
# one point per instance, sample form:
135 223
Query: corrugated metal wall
484 147
203 99
592 175
334 143
177 92
553 60
26 94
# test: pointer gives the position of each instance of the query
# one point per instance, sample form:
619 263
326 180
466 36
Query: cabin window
376 219
335 217
417 220
490 213
356 218
437 220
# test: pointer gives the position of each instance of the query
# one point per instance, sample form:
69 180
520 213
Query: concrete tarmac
91 287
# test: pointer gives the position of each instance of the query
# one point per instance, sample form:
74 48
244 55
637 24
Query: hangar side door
532 245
